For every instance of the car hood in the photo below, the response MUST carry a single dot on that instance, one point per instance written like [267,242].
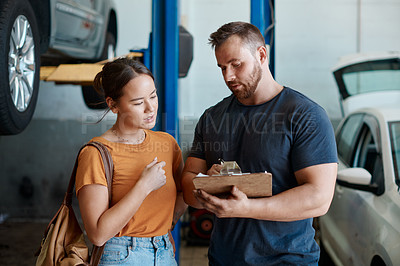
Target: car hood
[368,80]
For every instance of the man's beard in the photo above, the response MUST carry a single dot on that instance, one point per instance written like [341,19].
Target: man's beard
[247,90]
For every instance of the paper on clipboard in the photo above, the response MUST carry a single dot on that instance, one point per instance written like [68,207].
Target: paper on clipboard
[253,185]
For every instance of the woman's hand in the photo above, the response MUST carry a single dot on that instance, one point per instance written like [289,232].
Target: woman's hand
[102,222]
[153,176]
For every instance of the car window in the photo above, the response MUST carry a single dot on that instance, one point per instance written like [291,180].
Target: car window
[376,75]
[369,157]
[346,138]
[369,81]
[395,145]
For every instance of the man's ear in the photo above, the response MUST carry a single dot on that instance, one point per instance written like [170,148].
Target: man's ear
[112,105]
[263,54]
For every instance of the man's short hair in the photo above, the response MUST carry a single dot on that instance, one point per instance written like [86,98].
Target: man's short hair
[248,33]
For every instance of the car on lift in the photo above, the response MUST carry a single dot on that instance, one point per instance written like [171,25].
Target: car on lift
[362,224]
[48,32]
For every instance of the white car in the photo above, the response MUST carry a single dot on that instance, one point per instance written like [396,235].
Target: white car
[362,226]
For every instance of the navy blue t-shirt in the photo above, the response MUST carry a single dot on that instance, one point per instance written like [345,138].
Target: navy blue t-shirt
[286,134]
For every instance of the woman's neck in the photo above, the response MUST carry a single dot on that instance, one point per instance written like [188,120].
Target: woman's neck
[116,134]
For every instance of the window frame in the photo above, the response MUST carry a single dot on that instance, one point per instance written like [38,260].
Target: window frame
[367,124]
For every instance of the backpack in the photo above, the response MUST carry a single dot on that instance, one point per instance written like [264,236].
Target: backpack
[63,242]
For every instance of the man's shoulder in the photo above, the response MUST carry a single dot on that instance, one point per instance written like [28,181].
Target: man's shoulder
[298,100]
[220,106]
[292,93]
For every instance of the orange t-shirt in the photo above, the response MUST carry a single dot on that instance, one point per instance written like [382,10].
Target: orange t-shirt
[154,216]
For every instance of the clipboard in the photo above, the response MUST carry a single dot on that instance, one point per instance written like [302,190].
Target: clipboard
[253,185]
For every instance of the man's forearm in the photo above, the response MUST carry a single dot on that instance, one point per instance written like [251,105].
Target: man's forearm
[188,188]
[295,204]
[193,166]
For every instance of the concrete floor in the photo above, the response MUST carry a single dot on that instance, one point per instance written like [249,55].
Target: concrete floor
[19,241]
[193,255]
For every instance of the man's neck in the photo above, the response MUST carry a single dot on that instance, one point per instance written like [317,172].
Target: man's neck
[264,93]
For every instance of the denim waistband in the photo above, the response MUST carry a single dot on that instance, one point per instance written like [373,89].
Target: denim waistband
[145,242]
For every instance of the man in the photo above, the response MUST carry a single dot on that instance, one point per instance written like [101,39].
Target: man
[264,127]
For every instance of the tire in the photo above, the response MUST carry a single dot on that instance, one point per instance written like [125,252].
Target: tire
[92,98]
[19,65]
[201,223]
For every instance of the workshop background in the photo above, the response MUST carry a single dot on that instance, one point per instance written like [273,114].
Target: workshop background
[310,36]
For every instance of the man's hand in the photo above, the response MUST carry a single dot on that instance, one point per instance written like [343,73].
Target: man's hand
[235,205]
[214,170]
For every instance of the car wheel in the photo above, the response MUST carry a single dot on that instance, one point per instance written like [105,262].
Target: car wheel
[201,223]
[92,98]
[377,261]
[19,65]
[325,259]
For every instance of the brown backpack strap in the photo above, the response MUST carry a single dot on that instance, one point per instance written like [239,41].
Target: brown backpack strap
[96,255]
[108,164]
[108,169]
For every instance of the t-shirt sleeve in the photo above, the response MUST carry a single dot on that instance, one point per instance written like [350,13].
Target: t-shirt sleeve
[90,168]
[314,139]
[177,155]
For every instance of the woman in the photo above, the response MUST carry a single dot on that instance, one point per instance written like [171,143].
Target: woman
[146,190]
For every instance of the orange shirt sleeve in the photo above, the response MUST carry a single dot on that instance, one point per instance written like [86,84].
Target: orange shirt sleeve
[177,155]
[90,169]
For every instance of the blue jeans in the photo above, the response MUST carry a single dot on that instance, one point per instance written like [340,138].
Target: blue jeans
[142,251]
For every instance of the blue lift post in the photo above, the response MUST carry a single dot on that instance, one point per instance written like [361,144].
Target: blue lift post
[164,57]
[262,15]
[164,64]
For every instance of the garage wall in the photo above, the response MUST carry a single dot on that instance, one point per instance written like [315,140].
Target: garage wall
[134,24]
[204,85]
[311,35]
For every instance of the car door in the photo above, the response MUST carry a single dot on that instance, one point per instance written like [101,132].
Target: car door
[334,223]
[353,205]
[76,25]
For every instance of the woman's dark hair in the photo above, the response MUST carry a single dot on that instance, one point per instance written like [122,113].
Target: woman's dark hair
[116,74]
[248,33]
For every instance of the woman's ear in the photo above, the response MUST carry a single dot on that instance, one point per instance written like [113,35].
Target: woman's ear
[112,105]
